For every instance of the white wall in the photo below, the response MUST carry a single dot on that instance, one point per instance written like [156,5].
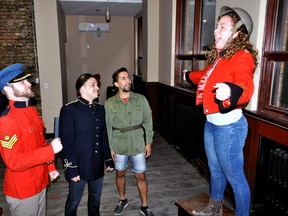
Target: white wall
[167,26]
[87,53]
[49,59]
[150,40]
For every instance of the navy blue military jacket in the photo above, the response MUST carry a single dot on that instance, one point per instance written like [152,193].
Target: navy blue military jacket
[83,133]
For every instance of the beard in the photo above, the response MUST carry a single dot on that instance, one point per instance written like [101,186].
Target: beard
[28,93]
[127,88]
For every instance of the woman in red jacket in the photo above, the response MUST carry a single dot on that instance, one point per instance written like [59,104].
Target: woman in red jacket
[224,87]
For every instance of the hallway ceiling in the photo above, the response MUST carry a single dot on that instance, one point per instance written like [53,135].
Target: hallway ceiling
[91,7]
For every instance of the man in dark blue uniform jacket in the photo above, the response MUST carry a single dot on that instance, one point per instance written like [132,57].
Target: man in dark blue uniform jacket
[83,133]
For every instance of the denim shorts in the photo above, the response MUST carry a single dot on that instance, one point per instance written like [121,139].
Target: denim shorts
[138,162]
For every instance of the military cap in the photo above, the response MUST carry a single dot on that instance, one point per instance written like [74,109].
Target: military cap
[12,74]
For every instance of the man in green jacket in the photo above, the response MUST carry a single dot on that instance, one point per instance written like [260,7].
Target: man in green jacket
[130,134]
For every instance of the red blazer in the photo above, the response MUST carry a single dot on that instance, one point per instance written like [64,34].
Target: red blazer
[25,151]
[237,72]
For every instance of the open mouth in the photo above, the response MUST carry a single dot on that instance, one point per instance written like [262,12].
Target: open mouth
[216,39]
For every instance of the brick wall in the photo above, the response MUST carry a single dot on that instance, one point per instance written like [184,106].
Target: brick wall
[17,38]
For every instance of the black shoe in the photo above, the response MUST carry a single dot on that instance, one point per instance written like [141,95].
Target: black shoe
[122,204]
[146,211]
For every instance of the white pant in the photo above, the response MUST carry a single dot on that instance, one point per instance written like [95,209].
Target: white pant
[32,206]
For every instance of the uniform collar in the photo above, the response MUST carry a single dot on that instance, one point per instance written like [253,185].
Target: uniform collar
[84,101]
[20,104]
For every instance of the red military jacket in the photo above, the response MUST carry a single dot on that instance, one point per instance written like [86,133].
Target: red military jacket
[237,72]
[24,150]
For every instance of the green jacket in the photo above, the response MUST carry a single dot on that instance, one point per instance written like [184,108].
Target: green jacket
[119,115]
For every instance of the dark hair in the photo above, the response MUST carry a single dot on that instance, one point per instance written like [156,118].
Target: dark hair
[98,78]
[81,81]
[116,73]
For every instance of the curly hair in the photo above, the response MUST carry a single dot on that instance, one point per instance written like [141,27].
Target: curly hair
[241,42]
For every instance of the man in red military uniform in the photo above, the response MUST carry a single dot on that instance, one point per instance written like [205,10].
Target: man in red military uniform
[28,157]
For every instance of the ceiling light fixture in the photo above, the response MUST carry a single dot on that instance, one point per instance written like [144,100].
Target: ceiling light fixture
[107,13]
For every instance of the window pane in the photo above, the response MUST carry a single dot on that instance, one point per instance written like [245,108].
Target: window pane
[282,27]
[208,24]
[279,96]
[188,26]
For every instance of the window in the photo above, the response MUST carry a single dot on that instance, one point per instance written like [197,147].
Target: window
[273,98]
[194,35]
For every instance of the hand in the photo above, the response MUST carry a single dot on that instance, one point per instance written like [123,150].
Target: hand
[75,179]
[54,175]
[223,91]
[148,150]
[184,74]
[109,169]
[56,145]
[113,155]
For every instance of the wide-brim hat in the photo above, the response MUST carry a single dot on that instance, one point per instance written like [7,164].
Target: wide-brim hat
[12,74]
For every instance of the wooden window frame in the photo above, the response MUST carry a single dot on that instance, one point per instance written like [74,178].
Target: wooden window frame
[268,58]
[196,56]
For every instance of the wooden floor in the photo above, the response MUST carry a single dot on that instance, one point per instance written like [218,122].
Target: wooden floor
[170,178]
